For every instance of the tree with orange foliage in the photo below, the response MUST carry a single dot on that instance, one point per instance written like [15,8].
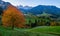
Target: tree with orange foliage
[53,23]
[13,17]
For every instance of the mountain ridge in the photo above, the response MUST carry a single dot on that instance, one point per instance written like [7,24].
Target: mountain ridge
[42,8]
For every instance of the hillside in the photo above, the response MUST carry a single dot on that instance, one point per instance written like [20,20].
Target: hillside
[40,9]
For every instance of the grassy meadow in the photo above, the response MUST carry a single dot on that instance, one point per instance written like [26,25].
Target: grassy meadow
[37,31]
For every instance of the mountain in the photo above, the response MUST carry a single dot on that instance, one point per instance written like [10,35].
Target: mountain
[4,4]
[40,9]
[24,9]
[43,8]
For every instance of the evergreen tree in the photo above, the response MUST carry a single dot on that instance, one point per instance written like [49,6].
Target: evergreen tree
[1,10]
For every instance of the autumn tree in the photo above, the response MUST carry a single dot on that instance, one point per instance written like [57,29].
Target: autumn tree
[53,23]
[13,17]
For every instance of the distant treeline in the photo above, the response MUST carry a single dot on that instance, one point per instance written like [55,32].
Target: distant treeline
[44,21]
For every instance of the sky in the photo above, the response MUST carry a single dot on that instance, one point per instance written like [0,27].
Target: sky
[34,2]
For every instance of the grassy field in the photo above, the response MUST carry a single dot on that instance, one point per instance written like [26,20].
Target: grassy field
[47,29]
[37,31]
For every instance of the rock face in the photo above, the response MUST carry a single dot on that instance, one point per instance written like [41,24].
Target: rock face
[4,4]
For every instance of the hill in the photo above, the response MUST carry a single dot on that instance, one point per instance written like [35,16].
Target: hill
[48,9]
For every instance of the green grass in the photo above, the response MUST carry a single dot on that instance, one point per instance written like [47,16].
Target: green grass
[46,29]
[38,31]
[55,30]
